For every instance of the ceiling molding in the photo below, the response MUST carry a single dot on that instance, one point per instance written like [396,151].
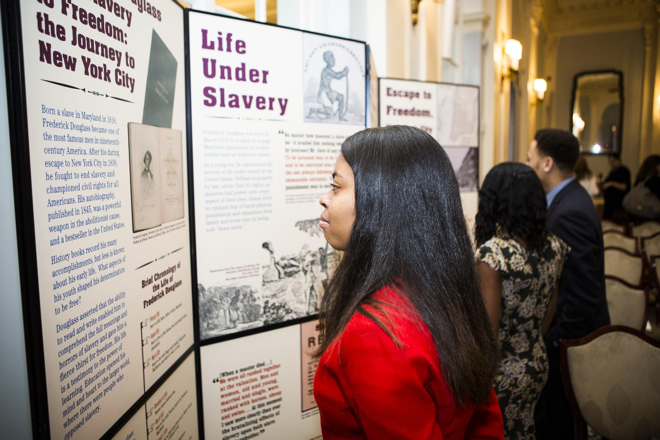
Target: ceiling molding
[567,17]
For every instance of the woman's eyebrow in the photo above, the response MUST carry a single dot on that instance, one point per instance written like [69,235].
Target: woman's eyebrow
[336,174]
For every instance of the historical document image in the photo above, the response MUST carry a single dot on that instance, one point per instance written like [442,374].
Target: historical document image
[290,287]
[334,81]
[458,116]
[156,175]
[465,161]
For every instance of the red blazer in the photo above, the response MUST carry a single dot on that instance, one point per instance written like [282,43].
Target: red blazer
[368,388]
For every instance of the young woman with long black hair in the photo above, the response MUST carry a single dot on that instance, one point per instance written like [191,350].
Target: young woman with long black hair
[520,263]
[408,351]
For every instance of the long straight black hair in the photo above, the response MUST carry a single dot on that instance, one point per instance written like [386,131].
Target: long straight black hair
[410,233]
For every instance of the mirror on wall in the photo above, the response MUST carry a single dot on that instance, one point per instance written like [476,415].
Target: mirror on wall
[597,111]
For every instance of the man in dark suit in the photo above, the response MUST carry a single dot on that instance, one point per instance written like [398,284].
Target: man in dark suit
[581,302]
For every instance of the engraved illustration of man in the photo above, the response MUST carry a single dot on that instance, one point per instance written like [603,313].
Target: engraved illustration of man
[234,314]
[326,96]
[147,179]
[312,271]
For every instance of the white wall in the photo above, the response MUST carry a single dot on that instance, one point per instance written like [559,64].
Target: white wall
[15,402]
[614,50]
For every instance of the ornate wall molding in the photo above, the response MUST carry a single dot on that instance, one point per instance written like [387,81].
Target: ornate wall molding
[566,17]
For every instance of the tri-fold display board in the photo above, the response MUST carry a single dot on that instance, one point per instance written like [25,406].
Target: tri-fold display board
[167,170]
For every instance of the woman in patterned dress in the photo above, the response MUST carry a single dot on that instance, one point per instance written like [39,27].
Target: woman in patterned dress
[519,263]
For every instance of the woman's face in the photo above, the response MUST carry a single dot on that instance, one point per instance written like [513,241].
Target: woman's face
[339,214]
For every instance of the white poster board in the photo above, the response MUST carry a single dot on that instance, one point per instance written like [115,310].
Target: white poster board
[449,112]
[270,109]
[111,225]
[171,412]
[253,389]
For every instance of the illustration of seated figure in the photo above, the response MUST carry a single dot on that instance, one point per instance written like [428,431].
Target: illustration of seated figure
[326,96]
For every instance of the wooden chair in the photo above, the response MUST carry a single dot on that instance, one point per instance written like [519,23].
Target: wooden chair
[625,266]
[612,379]
[645,230]
[613,239]
[651,246]
[654,272]
[609,226]
[627,305]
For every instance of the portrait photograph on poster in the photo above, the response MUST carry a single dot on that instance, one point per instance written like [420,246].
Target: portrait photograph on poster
[156,175]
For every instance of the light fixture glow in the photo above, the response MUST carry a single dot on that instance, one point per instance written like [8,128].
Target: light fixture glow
[513,49]
[596,149]
[540,85]
[578,125]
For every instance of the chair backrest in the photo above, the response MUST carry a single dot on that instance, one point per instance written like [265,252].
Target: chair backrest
[645,229]
[627,306]
[651,245]
[624,265]
[618,240]
[612,378]
[611,226]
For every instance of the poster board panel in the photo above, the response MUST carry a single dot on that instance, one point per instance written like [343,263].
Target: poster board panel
[251,388]
[171,412]
[112,307]
[267,128]
[449,112]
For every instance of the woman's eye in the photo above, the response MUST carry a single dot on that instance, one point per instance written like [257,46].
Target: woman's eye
[333,186]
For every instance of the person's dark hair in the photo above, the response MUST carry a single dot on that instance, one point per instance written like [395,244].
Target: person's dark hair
[512,201]
[581,169]
[560,145]
[616,156]
[410,234]
[649,168]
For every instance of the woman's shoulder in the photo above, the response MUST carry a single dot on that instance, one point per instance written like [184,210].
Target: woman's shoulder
[495,253]
[388,318]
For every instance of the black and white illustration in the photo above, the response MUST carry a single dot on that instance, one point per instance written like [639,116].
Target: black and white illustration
[156,175]
[290,286]
[333,80]
[458,115]
[465,161]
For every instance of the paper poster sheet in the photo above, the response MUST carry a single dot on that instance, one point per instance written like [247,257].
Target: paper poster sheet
[267,129]
[251,389]
[115,299]
[171,413]
[310,339]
